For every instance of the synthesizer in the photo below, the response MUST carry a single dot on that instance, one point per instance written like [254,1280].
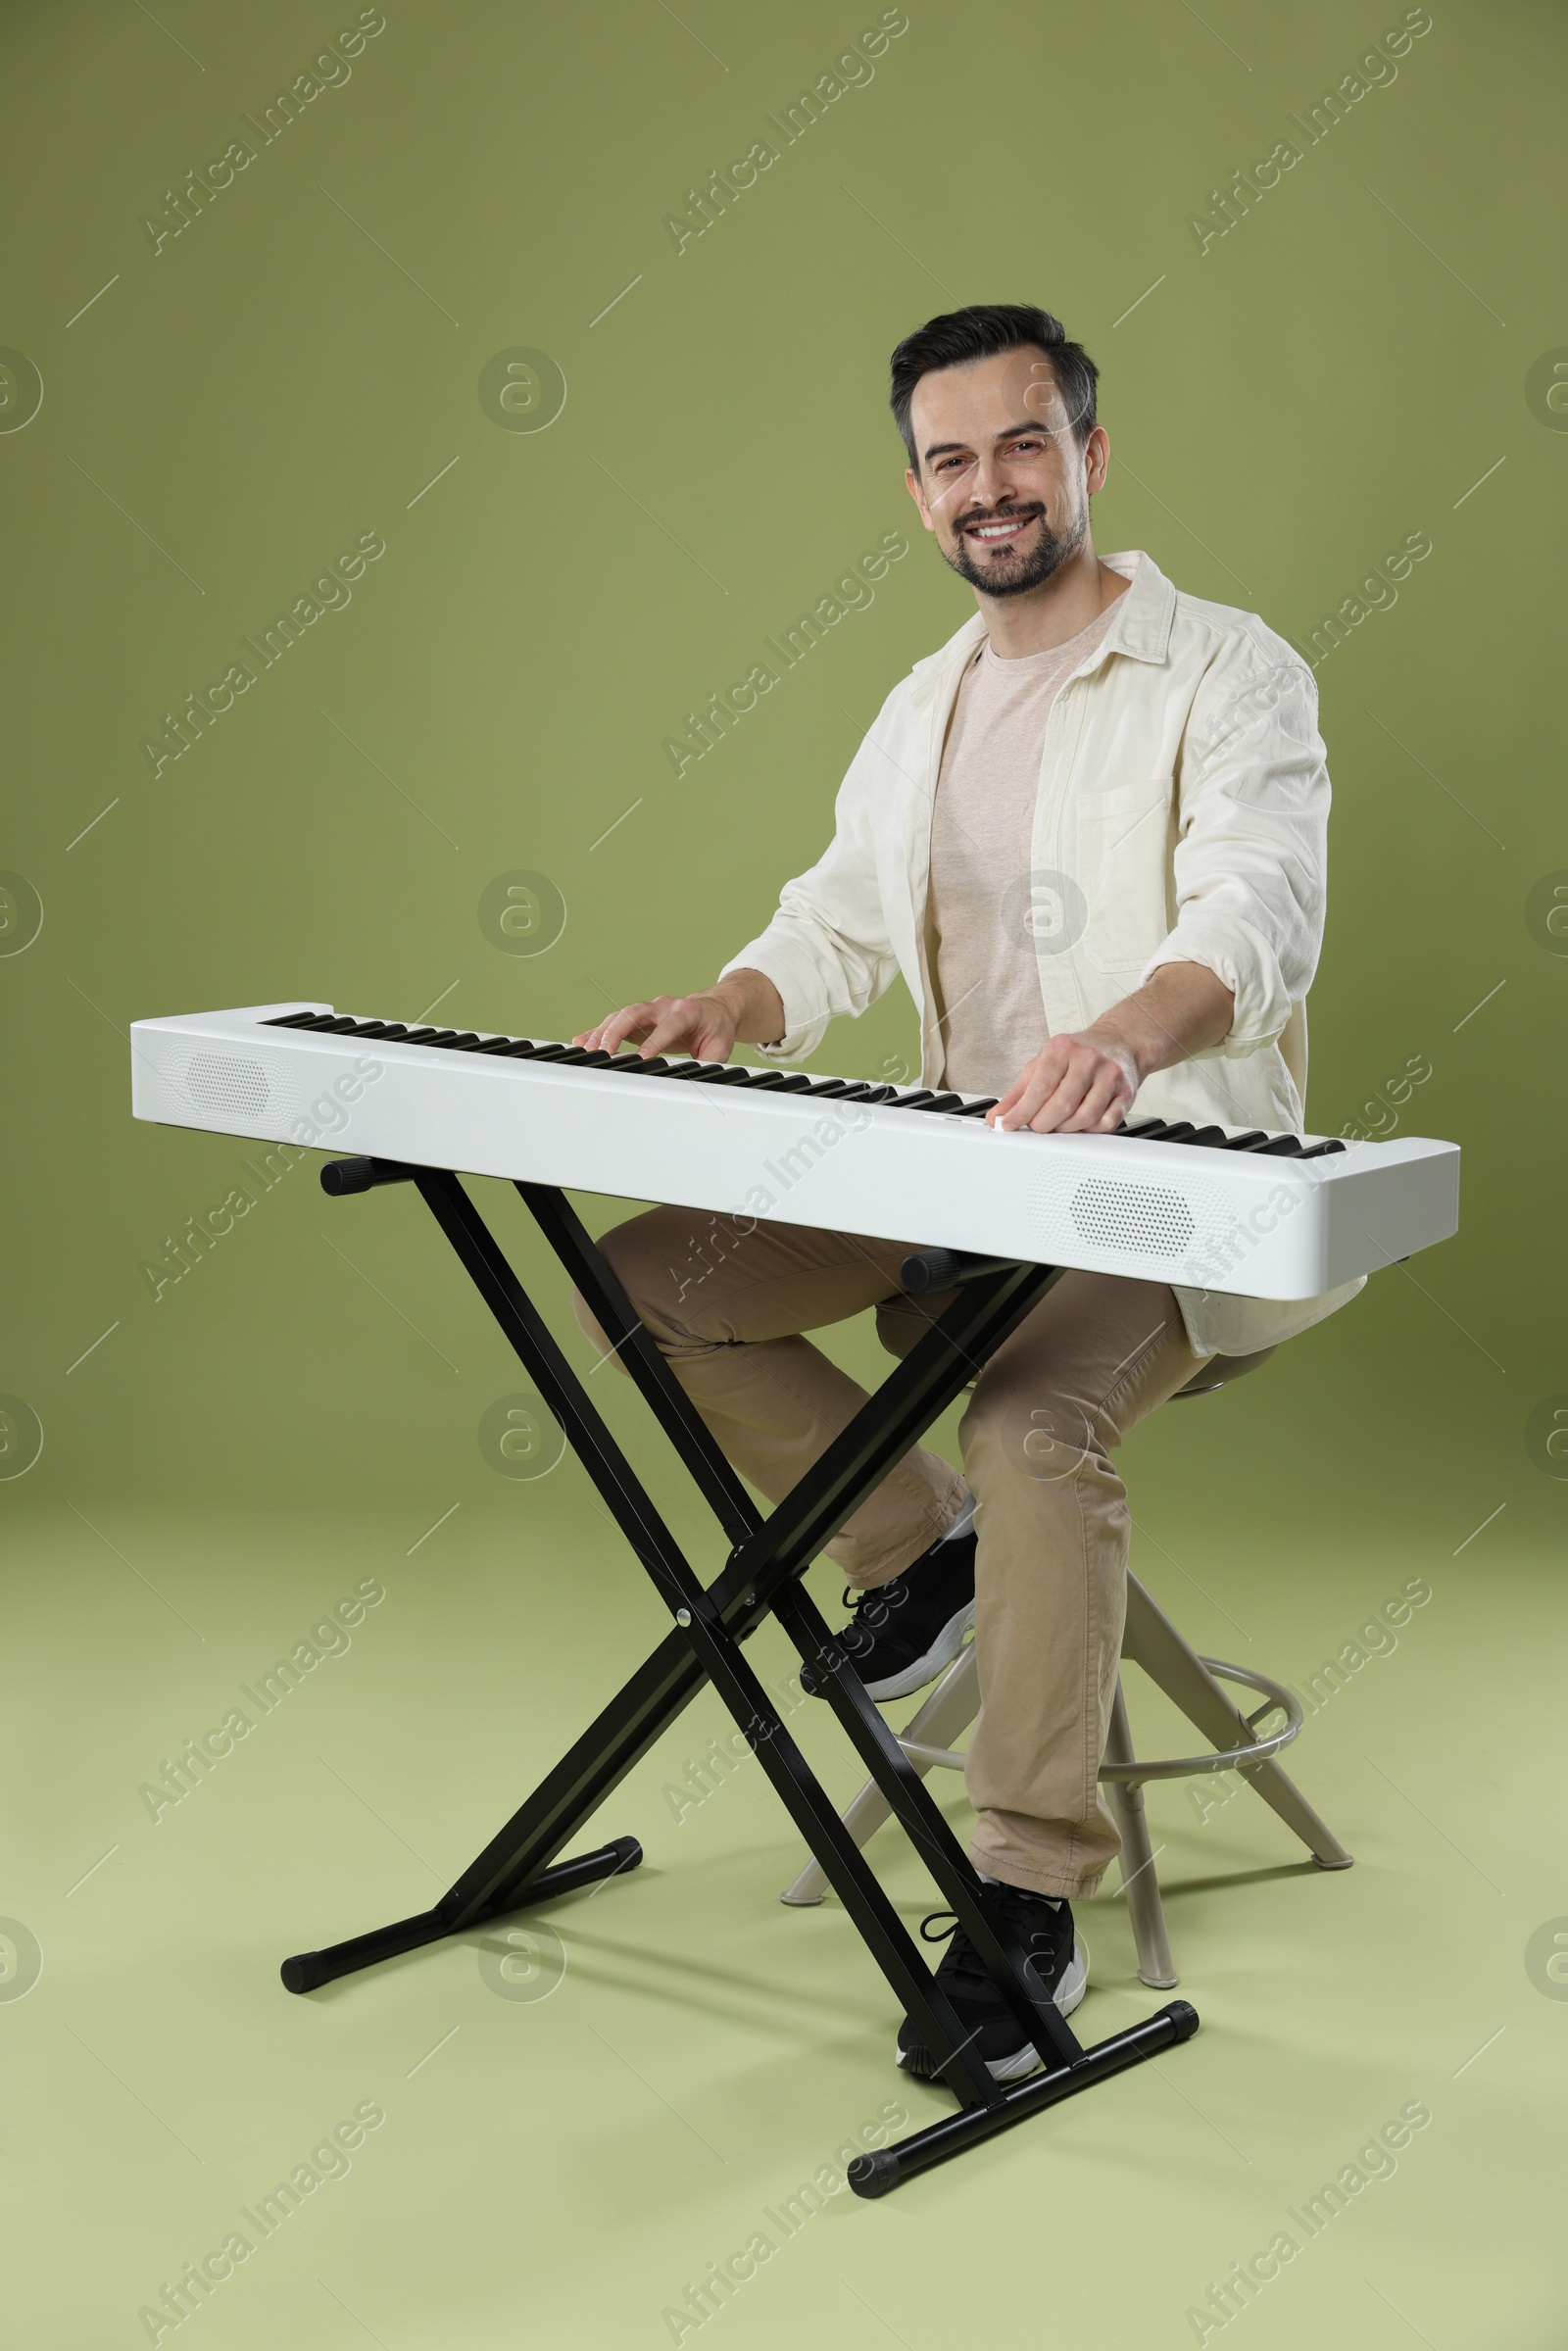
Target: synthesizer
[1252,1213]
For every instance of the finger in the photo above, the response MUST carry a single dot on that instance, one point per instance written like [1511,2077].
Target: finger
[1111,1095]
[1063,1103]
[630,1024]
[1103,1104]
[999,1111]
[1105,1093]
[1006,1114]
[679,1023]
[1035,1086]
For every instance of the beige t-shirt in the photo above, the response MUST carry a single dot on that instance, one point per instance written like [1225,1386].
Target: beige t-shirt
[988,917]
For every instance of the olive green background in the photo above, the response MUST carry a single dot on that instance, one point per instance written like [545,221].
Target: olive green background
[1301,395]
[1366,354]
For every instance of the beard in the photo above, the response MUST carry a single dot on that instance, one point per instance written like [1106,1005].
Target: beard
[1016,574]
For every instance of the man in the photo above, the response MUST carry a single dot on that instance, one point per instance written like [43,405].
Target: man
[1089,833]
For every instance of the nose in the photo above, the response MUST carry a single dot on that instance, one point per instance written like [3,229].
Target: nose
[987,487]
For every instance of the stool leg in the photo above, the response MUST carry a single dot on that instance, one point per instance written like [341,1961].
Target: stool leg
[950,1708]
[1152,1641]
[1138,1880]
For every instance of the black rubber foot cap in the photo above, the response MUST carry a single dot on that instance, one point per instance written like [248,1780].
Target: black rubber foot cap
[1183,2016]
[299,1974]
[873,2175]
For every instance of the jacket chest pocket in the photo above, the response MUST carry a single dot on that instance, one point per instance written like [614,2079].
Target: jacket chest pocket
[1123,845]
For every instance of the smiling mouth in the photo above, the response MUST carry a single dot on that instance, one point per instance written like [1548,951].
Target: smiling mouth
[998,530]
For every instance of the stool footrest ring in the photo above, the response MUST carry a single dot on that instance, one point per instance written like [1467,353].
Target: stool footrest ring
[1222,1760]
[1175,1767]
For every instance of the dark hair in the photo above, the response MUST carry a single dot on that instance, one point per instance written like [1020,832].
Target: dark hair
[982,331]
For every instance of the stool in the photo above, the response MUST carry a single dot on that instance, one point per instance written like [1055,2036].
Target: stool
[1192,1683]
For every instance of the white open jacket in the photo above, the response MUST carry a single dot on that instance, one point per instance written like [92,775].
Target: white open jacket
[1181,816]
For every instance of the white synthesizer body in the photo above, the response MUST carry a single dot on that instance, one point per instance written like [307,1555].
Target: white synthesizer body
[1230,1217]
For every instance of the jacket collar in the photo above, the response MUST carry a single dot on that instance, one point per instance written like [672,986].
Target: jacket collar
[1140,629]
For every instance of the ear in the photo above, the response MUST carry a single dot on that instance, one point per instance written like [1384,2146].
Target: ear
[911,483]
[1097,459]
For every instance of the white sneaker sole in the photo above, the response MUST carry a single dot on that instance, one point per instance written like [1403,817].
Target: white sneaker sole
[1070,1993]
[938,1657]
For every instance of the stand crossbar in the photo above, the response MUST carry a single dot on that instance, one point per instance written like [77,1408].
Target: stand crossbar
[762,1580]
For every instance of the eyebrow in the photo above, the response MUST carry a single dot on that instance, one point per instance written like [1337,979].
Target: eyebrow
[1009,433]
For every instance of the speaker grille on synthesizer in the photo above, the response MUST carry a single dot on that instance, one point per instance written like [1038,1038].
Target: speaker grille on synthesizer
[232,1088]
[1137,1217]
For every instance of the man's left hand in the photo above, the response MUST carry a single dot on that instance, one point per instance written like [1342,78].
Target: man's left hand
[1085,1084]
[1081,1085]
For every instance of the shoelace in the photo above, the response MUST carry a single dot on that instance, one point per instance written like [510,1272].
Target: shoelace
[930,1920]
[868,1609]
[881,1597]
[968,1967]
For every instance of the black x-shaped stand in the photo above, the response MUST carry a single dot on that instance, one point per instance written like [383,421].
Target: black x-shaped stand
[763,1579]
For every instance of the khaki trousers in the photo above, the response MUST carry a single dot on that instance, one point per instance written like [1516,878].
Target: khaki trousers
[726,1301]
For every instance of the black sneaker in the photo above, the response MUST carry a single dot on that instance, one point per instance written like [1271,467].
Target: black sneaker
[1059,1960]
[903,1634]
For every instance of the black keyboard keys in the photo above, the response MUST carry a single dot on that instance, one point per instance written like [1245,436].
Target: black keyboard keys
[778,1081]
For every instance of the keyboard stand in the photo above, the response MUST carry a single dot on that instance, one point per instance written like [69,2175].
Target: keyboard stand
[763,1579]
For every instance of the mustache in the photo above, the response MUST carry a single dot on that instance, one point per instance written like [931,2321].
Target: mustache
[1002,513]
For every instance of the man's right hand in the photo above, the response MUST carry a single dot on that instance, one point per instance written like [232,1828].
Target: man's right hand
[705,1026]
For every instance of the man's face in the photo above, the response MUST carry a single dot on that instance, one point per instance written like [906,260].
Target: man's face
[1002,483]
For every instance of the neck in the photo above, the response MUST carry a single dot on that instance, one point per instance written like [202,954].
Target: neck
[1048,615]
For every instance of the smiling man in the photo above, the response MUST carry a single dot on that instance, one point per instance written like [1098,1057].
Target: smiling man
[1088,832]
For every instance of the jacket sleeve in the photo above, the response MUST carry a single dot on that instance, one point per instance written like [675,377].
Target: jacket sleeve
[827,949]
[1252,837]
